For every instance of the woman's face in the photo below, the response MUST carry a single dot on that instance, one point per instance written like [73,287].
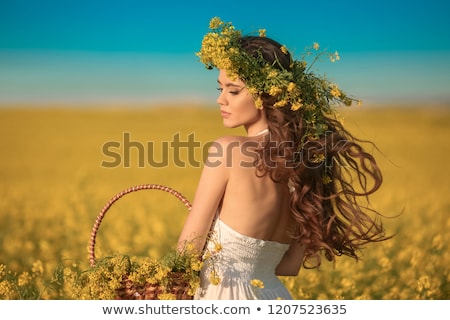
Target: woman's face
[237,106]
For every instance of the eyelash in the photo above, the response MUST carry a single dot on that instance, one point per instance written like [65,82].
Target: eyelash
[230,92]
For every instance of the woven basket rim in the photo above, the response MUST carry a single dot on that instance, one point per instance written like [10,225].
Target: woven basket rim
[119,195]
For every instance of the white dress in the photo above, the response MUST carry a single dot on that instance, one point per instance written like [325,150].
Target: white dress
[240,260]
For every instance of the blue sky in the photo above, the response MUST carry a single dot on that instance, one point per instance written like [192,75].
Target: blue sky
[143,51]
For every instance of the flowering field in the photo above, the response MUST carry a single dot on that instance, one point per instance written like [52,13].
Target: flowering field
[58,168]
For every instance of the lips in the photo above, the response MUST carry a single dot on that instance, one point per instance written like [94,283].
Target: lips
[224,114]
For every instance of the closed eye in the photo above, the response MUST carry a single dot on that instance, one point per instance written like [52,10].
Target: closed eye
[236,90]
[232,91]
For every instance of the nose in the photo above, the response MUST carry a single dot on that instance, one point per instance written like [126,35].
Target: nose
[221,99]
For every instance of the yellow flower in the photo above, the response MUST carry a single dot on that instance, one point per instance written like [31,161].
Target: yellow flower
[284,49]
[6,289]
[318,158]
[291,87]
[217,247]
[207,255]
[162,273]
[316,46]
[280,103]
[214,278]
[215,23]
[167,296]
[257,283]
[262,32]
[252,90]
[274,91]
[37,268]
[190,247]
[196,265]
[259,103]
[423,283]
[335,92]
[272,74]
[326,179]
[296,106]
[194,284]
[24,279]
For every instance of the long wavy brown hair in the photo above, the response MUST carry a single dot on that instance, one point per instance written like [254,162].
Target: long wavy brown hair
[331,177]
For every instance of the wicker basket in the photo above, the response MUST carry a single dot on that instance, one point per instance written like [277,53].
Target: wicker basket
[130,291]
[178,287]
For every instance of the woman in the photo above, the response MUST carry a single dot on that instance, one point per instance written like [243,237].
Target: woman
[275,200]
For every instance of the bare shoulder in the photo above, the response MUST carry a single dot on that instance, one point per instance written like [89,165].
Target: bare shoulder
[221,147]
[218,152]
[233,150]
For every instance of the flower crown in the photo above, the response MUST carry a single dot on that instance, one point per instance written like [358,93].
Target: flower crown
[298,88]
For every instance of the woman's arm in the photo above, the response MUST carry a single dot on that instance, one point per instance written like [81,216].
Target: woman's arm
[292,260]
[209,193]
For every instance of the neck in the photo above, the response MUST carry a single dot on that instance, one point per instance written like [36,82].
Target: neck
[260,132]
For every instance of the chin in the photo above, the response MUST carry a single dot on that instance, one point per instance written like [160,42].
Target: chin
[230,125]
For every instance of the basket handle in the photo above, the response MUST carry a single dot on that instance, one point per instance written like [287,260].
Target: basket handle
[119,195]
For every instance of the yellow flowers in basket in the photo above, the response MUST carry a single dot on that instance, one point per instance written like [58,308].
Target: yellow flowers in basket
[174,277]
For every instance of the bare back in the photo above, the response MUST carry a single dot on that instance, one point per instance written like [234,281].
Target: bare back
[252,205]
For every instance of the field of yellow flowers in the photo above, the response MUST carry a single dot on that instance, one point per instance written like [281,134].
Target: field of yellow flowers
[59,166]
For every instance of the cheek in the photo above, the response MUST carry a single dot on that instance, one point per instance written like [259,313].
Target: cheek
[252,113]
[246,104]
[250,109]
[246,114]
